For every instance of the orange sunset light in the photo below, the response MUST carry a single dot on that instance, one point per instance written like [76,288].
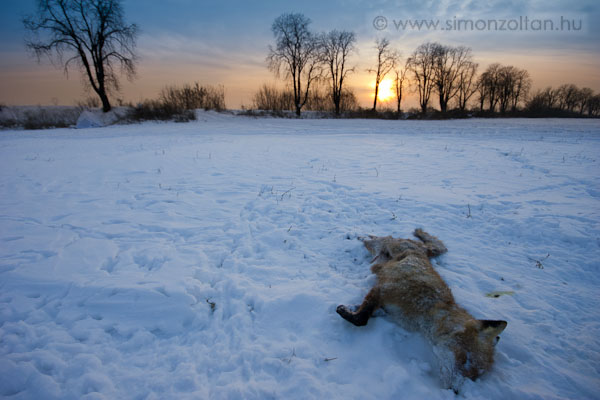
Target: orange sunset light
[386,90]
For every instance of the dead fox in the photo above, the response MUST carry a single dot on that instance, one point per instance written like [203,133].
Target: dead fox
[414,294]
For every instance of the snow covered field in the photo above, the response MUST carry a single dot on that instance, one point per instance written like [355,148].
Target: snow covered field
[206,260]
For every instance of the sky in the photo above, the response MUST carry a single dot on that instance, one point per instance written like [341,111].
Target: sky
[226,42]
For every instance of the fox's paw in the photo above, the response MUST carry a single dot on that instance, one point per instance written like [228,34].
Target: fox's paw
[351,316]
[344,312]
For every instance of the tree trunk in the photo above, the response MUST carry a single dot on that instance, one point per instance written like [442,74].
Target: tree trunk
[375,99]
[443,104]
[337,98]
[106,107]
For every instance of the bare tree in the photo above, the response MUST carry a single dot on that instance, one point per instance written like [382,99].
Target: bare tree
[467,84]
[336,47]
[296,54]
[550,97]
[448,64]
[387,58]
[538,102]
[90,33]
[594,106]
[400,81]
[505,85]
[567,98]
[521,87]
[488,86]
[481,90]
[568,95]
[422,64]
[585,96]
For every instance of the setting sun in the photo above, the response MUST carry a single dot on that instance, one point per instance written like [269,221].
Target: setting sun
[386,90]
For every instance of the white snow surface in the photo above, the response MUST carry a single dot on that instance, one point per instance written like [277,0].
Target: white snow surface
[206,260]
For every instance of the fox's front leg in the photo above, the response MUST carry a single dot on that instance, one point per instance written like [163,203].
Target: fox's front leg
[361,316]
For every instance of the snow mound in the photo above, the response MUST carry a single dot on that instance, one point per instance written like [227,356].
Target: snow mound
[88,119]
[98,119]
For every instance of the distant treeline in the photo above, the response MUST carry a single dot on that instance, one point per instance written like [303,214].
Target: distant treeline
[315,69]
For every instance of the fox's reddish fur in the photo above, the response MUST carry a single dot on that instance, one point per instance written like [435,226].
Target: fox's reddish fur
[415,295]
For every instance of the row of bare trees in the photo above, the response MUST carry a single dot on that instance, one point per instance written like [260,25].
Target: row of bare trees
[433,71]
[502,86]
[566,98]
[305,58]
[449,73]
[446,71]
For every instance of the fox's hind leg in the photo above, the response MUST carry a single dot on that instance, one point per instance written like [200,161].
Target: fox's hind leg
[361,316]
[434,246]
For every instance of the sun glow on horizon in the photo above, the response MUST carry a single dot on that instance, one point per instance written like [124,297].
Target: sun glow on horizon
[386,90]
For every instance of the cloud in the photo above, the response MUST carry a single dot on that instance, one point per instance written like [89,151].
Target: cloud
[170,48]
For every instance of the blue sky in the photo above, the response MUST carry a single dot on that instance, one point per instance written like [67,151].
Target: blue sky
[226,42]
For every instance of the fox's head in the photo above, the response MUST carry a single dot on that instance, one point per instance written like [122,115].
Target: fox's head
[375,244]
[385,248]
[474,346]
